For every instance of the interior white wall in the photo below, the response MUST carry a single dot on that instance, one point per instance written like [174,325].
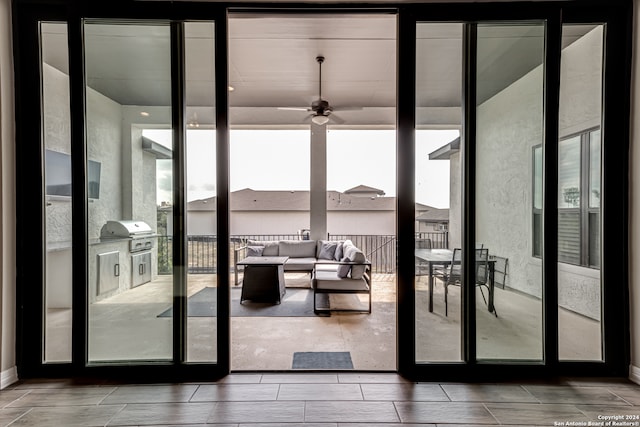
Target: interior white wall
[634,204]
[8,372]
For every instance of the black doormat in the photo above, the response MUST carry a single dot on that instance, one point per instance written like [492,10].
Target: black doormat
[322,360]
[297,302]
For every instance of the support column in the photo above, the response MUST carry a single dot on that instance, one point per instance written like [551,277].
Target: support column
[318,184]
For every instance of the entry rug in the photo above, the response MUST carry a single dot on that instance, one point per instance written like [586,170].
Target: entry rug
[297,302]
[322,360]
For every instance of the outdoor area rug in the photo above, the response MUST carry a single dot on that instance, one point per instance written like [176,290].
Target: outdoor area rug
[297,302]
[322,360]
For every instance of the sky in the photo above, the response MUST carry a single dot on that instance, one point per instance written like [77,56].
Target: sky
[279,160]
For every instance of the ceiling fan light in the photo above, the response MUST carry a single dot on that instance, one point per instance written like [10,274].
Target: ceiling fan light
[320,119]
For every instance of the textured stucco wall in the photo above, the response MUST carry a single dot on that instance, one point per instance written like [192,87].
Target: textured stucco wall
[57,137]
[104,132]
[382,222]
[509,126]
[455,201]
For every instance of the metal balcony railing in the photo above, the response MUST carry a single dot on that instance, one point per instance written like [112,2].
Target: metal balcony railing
[202,249]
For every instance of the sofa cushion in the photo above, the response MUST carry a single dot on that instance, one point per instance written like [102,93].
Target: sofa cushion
[297,248]
[343,269]
[255,250]
[270,246]
[299,264]
[328,280]
[327,249]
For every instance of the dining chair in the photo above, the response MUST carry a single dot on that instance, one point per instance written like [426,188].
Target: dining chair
[421,265]
[482,274]
[451,274]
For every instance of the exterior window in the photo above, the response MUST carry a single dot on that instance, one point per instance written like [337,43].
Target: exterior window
[579,200]
[578,216]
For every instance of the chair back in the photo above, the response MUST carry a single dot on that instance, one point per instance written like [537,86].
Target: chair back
[482,266]
[500,271]
[455,268]
[423,244]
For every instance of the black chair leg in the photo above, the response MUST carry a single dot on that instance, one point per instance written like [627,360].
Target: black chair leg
[483,297]
[446,303]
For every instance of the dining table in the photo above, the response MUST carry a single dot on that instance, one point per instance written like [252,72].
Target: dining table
[444,257]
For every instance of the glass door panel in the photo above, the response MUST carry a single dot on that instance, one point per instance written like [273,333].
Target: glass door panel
[579,195]
[438,173]
[128,77]
[57,171]
[202,241]
[510,127]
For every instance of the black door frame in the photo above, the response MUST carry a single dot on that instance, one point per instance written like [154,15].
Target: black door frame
[617,19]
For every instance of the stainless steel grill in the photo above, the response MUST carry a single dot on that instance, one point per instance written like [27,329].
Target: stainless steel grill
[139,232]
[140,246]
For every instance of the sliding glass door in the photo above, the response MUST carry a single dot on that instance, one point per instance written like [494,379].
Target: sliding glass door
[519,284]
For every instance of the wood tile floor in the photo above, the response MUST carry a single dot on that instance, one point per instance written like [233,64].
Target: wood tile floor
[320,400]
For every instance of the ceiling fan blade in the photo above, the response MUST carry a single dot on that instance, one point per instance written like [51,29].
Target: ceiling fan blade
[294,108]
[336,119]
[346,108]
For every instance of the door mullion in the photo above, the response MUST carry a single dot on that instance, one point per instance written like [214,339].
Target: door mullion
[468,319]
[179,178]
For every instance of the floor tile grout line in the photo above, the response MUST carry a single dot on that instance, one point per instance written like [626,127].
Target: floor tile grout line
[25,413]
[619,397]
[194,393]
[445,392]
[395,408]
[115,415]
[484,405]
[108,394]
[529,392]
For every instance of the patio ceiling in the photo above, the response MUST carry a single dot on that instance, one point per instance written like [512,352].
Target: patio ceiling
[272,64]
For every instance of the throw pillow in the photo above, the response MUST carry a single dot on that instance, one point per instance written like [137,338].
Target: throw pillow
[357,271]
[328,250]
[343,269]
[270,249]
[338,254]
[255,250]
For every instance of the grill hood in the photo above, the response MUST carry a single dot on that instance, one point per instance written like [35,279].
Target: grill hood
[125,228]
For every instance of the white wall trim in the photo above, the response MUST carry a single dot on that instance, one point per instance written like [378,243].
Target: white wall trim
[634,374]
[8,377]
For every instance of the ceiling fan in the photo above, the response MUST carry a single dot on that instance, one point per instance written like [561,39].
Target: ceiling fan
[320,108]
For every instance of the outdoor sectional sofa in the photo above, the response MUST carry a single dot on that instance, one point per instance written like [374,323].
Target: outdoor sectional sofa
[336,267]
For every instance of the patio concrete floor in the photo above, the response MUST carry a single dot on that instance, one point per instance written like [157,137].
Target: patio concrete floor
[127,327]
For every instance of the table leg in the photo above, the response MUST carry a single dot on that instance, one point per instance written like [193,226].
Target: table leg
[490,305]
[430,288]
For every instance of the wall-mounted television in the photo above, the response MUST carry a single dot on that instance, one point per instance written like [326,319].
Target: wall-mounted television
[58,175]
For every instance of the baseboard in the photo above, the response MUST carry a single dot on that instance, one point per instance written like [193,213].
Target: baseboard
[8,377]
[634,374]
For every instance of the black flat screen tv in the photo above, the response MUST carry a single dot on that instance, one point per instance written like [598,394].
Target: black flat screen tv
[58,175]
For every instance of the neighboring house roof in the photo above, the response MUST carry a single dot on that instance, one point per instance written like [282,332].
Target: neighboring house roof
[445,152]
[252,200]
[420,207]
[363,189]
[434,215]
